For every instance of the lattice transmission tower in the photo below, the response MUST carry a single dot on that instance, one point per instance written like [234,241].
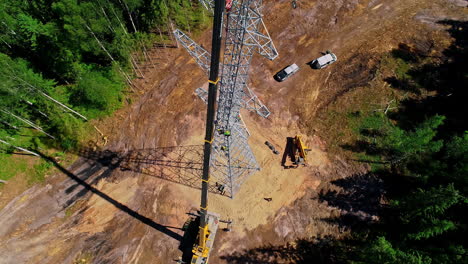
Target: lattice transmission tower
[232,160]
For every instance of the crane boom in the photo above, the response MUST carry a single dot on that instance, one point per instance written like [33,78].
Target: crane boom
[201,250]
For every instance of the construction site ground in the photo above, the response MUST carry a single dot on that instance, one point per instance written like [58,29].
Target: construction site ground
[97,212]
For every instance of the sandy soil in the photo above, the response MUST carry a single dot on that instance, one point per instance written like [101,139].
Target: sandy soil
[102,214]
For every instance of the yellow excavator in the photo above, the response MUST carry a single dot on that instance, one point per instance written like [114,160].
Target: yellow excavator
[296,150]
[300,151]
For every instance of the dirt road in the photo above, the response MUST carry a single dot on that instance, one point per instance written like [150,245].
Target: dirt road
[99,211]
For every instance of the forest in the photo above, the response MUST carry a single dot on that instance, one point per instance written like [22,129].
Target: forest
[421,153]
[65,62]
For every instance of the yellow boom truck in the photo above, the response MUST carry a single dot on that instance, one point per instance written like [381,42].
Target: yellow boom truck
[209,221]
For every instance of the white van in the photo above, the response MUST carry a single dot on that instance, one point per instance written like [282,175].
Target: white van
[323,61]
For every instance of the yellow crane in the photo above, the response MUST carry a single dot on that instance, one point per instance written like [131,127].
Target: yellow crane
[209,221]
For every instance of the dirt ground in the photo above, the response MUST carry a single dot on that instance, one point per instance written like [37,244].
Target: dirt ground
[95,212]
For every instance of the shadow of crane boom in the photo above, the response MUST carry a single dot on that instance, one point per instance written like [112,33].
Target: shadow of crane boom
[179,164]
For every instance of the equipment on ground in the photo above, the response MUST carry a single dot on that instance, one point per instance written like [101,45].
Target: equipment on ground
[270,146]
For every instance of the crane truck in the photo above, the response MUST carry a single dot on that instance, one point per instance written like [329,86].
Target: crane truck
[209,221]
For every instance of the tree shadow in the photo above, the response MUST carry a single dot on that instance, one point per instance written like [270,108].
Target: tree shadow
[407,53]
[443,80]
[359,199]
[325,250]
[361,146]
[88,187]
[91,175]
[403,85]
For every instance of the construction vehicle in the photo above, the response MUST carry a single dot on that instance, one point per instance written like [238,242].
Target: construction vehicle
[322,62]
[296,153]
[209,221]
[286,72]
[300,151]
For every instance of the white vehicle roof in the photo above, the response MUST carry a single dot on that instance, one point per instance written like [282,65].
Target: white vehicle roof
[325,59]
[291,68]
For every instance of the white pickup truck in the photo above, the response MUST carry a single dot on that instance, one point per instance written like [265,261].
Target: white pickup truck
[323,61]
[286,72]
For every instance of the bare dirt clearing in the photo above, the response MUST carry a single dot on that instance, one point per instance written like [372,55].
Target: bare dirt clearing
[107,215]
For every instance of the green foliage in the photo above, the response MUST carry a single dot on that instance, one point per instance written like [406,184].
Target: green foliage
[400,66]
[186,14]
[40,171]
[32,30]
[423,210]
[428,203]
[77,52]
[455,162]
[397,147]
[382,251]
[24,90]
[427,207]
[422,148]
[411,144]
[98,92]
[12,166]
[9,167]
[68,129]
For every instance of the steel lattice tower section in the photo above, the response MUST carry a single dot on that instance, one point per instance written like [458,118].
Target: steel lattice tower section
[232,159]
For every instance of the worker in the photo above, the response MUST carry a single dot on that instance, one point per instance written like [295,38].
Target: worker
[221,189]
[224,148]
[227,133]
